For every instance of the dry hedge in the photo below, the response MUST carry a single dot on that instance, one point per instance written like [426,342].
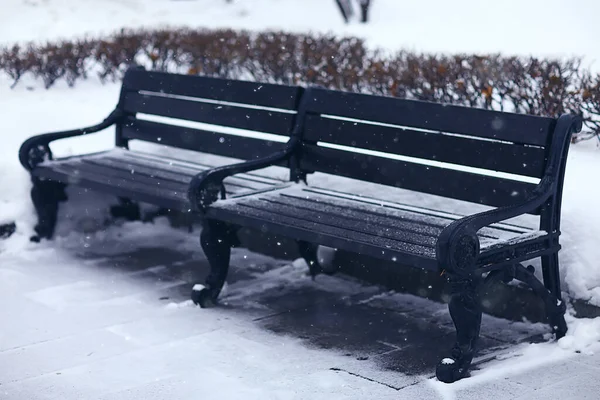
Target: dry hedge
[546,87]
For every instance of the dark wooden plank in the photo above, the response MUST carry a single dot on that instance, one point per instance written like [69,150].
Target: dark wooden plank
[320,231]
[183,167]
[381,222]
[118,187]
[197,161]
[266,121]
[382,217]
[200,140]
[109,174]
[142,172]
[333,238]
[341,220]
[518,128]
[405,211]
[252,93]
[379,217]
[487,154]
[141,168]
[157,177]
[460,185]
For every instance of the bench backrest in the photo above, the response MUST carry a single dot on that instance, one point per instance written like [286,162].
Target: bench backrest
[476,155]
[222,107]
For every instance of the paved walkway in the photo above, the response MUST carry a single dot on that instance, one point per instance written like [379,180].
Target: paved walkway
[97,317]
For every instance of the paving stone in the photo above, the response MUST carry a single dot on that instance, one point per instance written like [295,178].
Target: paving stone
[305,298]
[419,390]
[357,329]
[139,259]
[551,374]
[501,389]
[591,360]
[581,386]
[421,357]
[388,339]
[365,373]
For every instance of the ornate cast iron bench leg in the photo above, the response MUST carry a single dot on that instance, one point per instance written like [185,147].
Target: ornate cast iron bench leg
[216,239]
[46,196]
[555,307]
[465,304]
[465,310]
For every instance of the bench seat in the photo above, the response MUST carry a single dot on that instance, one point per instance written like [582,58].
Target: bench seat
[143,176]
[388,230]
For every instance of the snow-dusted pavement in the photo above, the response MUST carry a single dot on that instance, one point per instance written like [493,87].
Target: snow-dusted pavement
[105,315]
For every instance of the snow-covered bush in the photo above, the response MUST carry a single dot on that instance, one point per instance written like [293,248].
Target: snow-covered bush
[547,87]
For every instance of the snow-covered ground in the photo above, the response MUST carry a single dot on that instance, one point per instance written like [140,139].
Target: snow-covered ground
[541,27]
[50,295]
[78,327]
[104,316]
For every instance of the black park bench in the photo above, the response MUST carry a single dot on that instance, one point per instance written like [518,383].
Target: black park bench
[513,163]
[151,108]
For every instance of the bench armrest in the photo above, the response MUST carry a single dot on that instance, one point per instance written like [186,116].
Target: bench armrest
[36,149]
[206,186]
[457,247]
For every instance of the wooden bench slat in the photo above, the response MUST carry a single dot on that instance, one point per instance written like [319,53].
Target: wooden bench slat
[199,140]
[143,168]
[381,220]
[387,217]
[517,128]
[117,186]
[185,166]
[261,94]
[455,184]
[300,207]
[258,120]
[341,220]
[113,168]
[410,211]
[460,150]
[143,172]
[191,162]
[80,166]
[239,211]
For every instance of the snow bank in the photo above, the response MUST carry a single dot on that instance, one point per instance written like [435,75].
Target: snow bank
[583,335]
[580,255]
